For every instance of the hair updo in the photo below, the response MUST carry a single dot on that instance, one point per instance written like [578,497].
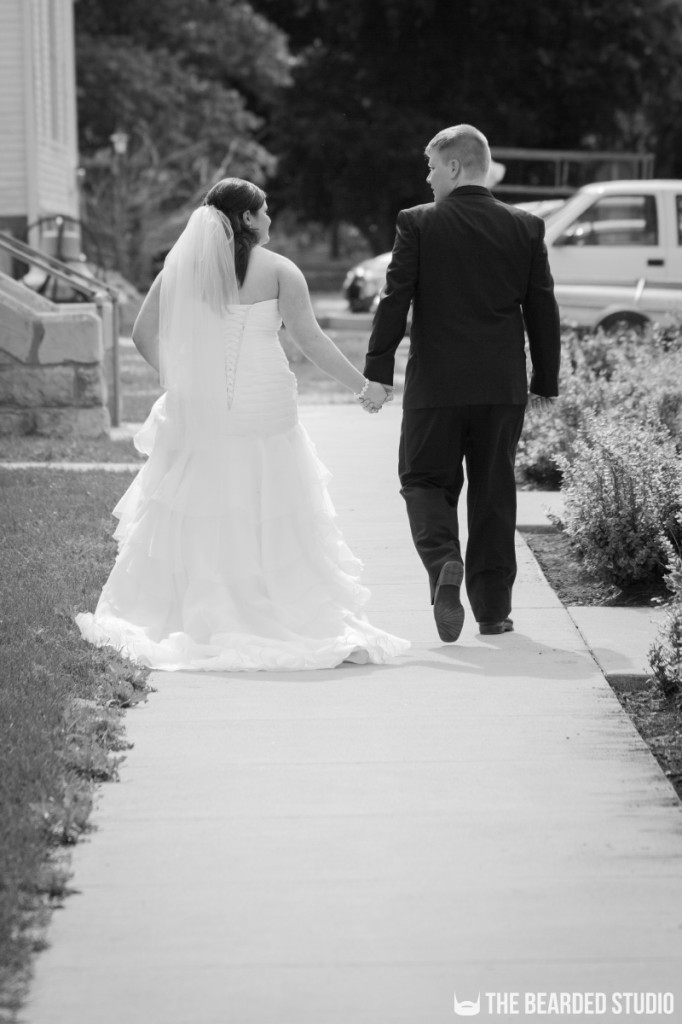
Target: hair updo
[233,197]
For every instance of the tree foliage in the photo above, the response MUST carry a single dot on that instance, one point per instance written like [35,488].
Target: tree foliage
[224,41]
[210,87]
[374,81]
[189,83]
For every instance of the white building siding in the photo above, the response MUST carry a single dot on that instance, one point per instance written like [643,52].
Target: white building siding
[54,85]
[56,181]
[13,177]
[38,168]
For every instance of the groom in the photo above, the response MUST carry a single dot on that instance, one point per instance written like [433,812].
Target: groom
[476,271]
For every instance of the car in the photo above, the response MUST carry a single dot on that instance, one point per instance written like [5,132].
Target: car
[365,281]
[615,249]
[544,208]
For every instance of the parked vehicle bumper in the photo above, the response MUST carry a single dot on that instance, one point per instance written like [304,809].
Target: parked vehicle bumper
[593,305]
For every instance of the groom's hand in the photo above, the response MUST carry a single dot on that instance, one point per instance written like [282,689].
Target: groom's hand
[375,396]
[539,403]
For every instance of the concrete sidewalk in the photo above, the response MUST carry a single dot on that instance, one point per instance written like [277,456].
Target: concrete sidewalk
[355,846]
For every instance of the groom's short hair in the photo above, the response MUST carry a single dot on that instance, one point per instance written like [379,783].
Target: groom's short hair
[464,143]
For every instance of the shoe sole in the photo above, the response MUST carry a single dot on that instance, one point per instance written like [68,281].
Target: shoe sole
[449,619]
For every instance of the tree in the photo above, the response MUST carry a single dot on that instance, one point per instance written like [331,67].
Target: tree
[374,81]
[159,76]
[658,120]
[223,41]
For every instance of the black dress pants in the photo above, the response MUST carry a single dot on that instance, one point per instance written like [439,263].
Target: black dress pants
[434,444]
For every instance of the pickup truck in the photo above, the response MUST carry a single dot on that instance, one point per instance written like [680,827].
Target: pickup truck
[615,249]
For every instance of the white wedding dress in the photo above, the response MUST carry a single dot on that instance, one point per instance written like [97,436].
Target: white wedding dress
[229,558]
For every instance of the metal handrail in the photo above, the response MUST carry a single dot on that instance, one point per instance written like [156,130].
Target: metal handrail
[60,269]
[104,296]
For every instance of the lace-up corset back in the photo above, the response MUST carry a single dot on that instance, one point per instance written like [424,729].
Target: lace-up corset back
[260,389]
[231,379]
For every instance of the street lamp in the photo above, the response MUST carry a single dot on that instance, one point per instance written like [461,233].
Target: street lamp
[119,140]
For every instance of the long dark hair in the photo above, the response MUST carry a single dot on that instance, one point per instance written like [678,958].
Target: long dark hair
[234,196]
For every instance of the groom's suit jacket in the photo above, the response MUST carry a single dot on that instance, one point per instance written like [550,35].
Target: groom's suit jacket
[476,269]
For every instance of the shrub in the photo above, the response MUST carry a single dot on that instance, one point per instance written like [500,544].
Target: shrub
[639,377]
[667,336]
[622,495]
[547,437]
[665,653]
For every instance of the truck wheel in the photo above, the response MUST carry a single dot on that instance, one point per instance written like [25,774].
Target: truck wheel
[623,322]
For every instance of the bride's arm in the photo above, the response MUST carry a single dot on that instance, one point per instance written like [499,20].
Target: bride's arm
[299,320]
[146,326]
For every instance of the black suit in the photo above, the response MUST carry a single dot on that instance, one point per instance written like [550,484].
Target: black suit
[475,270]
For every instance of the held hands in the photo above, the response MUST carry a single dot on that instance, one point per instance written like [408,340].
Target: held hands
[374,395]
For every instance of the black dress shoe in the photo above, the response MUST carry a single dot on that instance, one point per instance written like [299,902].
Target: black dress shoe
[489,628]
[447,607]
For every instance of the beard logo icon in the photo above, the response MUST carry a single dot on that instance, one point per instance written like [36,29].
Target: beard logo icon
[468,1008]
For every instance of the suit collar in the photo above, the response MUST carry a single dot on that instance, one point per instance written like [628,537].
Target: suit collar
[470,190]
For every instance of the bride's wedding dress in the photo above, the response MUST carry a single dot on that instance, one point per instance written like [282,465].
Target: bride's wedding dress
[229,558]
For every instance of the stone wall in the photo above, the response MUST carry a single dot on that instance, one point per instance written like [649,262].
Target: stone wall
[51,366]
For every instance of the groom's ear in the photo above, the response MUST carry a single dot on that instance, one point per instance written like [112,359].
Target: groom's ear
[454,167]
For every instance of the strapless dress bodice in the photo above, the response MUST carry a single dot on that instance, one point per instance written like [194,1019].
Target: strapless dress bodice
[264,313]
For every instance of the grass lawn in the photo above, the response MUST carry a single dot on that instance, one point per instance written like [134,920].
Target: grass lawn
[60,699]
[48,449]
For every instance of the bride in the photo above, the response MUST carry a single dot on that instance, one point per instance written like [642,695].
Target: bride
[229,558]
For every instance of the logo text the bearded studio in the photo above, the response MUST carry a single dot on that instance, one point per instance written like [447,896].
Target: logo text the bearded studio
[551,1004]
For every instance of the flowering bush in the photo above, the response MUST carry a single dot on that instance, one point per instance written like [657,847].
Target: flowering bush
[622,498]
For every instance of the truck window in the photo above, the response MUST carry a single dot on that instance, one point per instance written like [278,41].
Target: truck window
[616,220]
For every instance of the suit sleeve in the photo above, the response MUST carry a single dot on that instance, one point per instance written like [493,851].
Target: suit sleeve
[390,320]
[541,316]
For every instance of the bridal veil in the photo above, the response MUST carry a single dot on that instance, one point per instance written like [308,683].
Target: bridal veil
[198,286]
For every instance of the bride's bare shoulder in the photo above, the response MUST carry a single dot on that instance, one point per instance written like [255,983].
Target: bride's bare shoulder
[273,259]
[270,266]
[288,273]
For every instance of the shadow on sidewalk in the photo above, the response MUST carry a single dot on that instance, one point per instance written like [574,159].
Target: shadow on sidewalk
[516,656]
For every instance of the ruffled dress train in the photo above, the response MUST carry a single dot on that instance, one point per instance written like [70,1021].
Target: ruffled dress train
[229,556]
